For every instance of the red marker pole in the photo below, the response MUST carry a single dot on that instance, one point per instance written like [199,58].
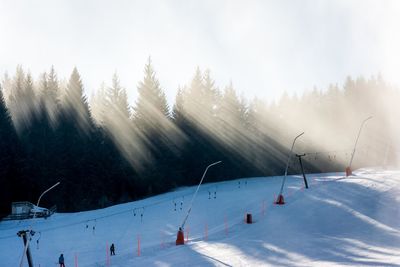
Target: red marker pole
[138,245]
[226,226]
[206,232]
[76,260]
[107,255]
[162,239]
[262,208]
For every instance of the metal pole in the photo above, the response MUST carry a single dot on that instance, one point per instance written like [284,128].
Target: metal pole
[195,193]
[358,136]
[26,240]
[302,169]
[287,163]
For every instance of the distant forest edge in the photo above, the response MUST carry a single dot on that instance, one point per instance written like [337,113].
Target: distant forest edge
[105,151]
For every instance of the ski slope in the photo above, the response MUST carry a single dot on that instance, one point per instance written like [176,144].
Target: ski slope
[336,222]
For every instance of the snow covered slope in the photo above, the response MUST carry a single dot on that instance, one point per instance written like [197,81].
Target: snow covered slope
[337,221]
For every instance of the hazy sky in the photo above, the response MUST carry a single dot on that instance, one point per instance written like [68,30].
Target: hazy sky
[264,47]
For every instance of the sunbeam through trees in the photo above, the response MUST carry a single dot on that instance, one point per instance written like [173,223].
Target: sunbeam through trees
[106,150]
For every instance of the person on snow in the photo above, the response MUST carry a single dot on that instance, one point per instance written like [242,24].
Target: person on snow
[112,249]
[61,260]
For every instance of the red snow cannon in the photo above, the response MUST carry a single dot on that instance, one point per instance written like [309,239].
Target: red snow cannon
[348,172]
[180,238]
[280,200]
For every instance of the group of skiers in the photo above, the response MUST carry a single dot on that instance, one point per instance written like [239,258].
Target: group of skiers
[61,258]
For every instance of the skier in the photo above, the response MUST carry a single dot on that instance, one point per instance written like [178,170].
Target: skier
[61,260]
[112,249]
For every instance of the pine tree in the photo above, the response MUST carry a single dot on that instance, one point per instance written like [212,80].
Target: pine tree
[74,148]
[202,102]
[178,107]
[194,99]
[76,104]
[9,170]
[21,103]
[7,88]
[231,109]
[16,96]
[118,99]
[49,96]
[111,111]
[30,98]
[26,102]
[197,85]
[151,107]
[98,105]
[212,95]
[152,116]
[159,135]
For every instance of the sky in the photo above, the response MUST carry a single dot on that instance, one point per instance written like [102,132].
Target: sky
[263,47]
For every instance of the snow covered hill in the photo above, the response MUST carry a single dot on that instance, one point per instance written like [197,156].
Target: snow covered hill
[337,221]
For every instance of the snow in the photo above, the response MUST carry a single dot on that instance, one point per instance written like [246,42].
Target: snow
[336,222]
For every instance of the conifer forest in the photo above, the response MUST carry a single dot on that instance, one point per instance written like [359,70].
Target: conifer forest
[105,150]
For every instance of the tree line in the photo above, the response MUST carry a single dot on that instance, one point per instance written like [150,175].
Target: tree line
[106,151]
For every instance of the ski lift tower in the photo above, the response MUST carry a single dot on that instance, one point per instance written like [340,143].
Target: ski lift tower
[26,234]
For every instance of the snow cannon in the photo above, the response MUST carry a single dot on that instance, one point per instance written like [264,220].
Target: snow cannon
[180,238]
[348,172]
[280,200]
